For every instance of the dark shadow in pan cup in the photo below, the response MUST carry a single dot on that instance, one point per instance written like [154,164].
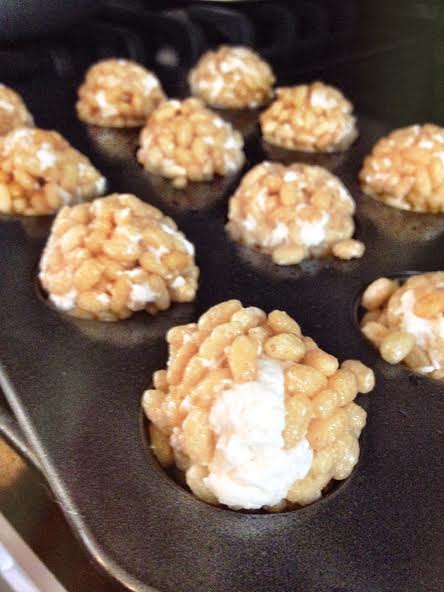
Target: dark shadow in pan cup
[195,196]
[243,120]
[139,328]
[35,227]
[278,154]
[114,143]
[402,225]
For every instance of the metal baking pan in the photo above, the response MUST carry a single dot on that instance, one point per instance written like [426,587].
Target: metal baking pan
[75,388]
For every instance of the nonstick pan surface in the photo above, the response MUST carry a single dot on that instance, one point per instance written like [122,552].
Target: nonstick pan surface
[75,387]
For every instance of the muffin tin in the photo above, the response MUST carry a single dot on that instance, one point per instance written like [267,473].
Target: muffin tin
[75,388]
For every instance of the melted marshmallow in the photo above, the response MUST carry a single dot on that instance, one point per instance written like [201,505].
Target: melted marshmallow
[106,107]
[64,302]
[428,332]
[277,236]
[319,98]
[6,105]
[140,296]
[250,467]
[46,156]
[313,233]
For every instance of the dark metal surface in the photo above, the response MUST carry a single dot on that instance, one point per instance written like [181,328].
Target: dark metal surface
[75,388]
[21,20]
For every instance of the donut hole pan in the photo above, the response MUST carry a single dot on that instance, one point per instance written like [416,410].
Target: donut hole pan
[75,387]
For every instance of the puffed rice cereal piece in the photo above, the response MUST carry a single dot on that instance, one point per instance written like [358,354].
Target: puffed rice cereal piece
[406,322]
[310,118]
[293,212]
[118,93]
[254,413]
[232,78]
[107,259]
[406,169]
[13,111]
[40,172]
[184,141]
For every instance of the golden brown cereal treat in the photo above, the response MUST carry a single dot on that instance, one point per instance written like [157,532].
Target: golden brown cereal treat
[40,172]
[406,323]
[232,78]
[118,93]
[13,111]
[106,259]
[254,413]
[184,141]
[406,169]
[293,212]
[310,118]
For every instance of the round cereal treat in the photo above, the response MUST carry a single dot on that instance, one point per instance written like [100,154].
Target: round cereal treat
[106,259]
[184,141]
[293,212]
[40,172]
[13,111]
[406,169]
[232,78]
[310,118]
[254,413]
[406,322]
[118,93]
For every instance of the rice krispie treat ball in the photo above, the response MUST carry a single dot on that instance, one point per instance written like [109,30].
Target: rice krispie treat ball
[293,212]
[40,172]
[118,93]
[406,169]
[232,78]
[13,111]
[184,141]
[254,413]
[310,118]
[406,322]
[107,259]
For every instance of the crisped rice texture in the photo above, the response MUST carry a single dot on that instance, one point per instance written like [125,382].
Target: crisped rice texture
[184,141]
[293,212]
[106,259]
[13,111]
[118,93]
[406,169]
[40,172]
[221,350]
[310,118]
[406,322]
[232,78]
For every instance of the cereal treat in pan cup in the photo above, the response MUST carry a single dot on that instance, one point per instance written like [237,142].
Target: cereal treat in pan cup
[232,78]
[406,169]
[310,118]
[293,212]
[13,111]
[40,172]
[254,413]
[184,141]
[118,93]
[107,259]
[406,322]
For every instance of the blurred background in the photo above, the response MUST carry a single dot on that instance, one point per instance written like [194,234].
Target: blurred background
[391,51]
